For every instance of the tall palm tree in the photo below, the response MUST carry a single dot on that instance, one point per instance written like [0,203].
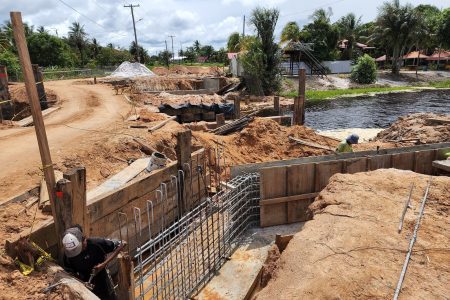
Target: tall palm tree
[197,46]
[290,32]
[78,38]
[348,27]
[322,14]
[95,46]
[41,29]
[396,26]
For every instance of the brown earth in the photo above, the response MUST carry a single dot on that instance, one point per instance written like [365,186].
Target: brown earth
[170,99]
[18,93]
[189,70]
[351,248]
[416,126]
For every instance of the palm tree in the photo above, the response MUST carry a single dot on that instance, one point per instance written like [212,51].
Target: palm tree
[233,42]
[290,32]
[396,26]
[41,29]
[348,27]
[95,48]
[77,37]
[197,47]
[322,15]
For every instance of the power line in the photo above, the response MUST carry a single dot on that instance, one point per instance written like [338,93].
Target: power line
[131,6]
[311,9]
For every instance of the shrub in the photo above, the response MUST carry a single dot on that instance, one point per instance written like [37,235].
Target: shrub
[365,71]
[11,61]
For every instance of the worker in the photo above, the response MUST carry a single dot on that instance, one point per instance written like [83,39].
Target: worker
[87,257]
[346,145]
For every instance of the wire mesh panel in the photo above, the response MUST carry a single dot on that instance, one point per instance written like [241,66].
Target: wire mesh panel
[182,258]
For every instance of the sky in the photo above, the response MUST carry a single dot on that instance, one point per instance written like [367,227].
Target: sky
[210,22]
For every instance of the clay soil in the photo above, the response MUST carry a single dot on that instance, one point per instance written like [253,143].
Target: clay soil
[189,70]
[416,126]
[351,248]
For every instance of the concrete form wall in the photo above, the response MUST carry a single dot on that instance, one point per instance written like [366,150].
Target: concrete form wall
[287,190]
[336,67]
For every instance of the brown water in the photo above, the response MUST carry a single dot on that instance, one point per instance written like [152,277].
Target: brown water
[379,111]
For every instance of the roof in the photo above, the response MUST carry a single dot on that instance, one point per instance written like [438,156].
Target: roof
[443,55]
[232,55]
[381,58]
[414,55]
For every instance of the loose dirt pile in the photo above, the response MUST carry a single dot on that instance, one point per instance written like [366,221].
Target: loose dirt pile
[189,71]
[174,100]
[351,249]
[418,128]
[19,94]
[165,84]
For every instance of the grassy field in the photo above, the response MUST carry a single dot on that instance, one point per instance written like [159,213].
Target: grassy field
[441,84]
[330,94]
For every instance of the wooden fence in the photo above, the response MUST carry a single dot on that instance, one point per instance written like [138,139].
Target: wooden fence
[287,190]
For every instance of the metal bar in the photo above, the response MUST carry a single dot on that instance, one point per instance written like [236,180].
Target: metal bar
[412,241]
[405,207]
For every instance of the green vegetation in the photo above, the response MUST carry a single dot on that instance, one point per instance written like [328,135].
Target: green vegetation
[262,58]
[441,84]
[330,94]
[365,71]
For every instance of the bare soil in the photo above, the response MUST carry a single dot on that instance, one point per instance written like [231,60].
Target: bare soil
[189,70]
[351,248]
[416,126]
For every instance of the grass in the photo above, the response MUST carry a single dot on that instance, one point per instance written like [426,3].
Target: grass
[330,94]
[440,84]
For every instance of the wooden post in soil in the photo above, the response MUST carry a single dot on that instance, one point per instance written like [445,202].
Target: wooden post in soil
[4,92]
[71,202]
[39,78]
[220,119]
[125,289]
[276,105]
[237,107]
[30,84]
[299,102]
[183,151]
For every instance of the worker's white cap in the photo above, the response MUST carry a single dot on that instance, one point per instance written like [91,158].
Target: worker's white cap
[72,242]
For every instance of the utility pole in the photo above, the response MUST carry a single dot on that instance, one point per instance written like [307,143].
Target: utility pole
[243,27]
[134,27]
[167,50]
[173,53]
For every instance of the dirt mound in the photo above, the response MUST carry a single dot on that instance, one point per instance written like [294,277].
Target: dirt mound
[265,140]
[189,70]
[351,249]
[19,94]
[166,98]
[418,127]
[164,84]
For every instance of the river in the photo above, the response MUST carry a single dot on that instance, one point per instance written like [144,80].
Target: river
[379,111]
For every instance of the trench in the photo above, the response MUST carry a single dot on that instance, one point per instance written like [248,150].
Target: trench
[378,111]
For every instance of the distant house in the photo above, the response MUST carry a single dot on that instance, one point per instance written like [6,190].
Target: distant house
[441,56]
[202,59]
[343,44]
[415,58]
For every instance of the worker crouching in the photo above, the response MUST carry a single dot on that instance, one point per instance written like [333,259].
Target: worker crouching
[346,145]
[87,259]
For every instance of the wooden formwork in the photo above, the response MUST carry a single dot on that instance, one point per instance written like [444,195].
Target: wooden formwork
[287,190]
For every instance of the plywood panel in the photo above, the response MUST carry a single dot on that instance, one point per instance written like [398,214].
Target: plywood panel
[423,161]
[324,171]
[300,180]
[356,165]
[403,161]
[273,185]
[380,162]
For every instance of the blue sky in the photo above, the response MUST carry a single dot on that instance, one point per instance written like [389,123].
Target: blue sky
[210,22]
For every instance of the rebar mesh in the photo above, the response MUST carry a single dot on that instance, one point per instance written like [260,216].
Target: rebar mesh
[181,259]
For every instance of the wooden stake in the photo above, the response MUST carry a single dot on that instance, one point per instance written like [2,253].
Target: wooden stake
[125,289]
[276,105]
[220,120]
[299,102]
[30,84]
[77,177]
[183,150]
[237,107]
[39,78]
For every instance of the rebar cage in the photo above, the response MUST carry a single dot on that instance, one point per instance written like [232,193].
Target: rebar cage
[185,255]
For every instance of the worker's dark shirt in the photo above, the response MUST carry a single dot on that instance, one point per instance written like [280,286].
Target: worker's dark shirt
[94,254]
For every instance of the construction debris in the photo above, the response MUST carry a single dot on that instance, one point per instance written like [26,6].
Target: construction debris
[162,124]
[235,125]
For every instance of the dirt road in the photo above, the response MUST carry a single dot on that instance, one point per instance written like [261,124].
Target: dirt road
[84,109]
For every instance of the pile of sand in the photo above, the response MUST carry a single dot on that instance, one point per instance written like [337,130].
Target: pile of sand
[417,126]
[351,249]
[131,70]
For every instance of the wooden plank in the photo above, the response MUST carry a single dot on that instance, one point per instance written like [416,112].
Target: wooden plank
[30,84]
[310,144]
[424,161]
[403,161]
[324,171]
[161,124]
[77,177]
[352,166]
[28,121]
[300,180]
[380,162]
[273,184]
[120,179]
[286,199]
[125,289]
[133,117]
[443,165]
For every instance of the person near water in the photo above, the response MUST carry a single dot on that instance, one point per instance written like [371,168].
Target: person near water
[346,145]
[84,257]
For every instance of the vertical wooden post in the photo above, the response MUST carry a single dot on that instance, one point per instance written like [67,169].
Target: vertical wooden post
[63,209]
[220,119]
[126,287]
[276,105]
[301,97]
[77,177]
[183,151]
[30,84]
[237,107]
[4,92]
[39,78]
